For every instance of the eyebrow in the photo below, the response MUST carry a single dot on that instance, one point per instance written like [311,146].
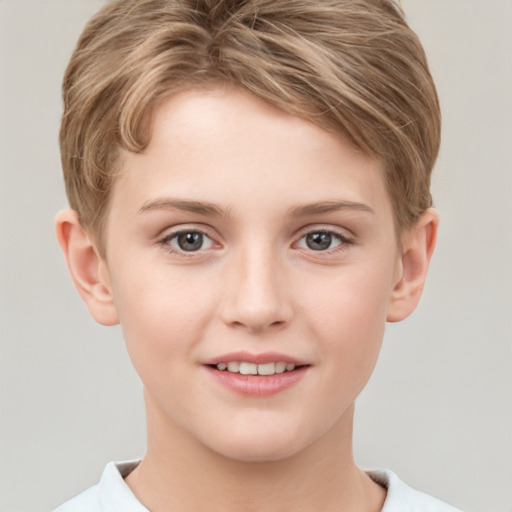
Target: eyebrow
[328,207]
[165,203]
[205,208]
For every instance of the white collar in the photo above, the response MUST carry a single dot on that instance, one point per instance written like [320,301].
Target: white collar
[114,494]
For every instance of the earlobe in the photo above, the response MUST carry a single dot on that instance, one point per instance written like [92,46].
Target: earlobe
[88,270]
[418,247]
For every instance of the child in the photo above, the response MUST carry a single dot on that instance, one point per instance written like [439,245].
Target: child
[249,184]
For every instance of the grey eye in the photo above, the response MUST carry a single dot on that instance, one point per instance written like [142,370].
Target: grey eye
[320,240]
[190,241]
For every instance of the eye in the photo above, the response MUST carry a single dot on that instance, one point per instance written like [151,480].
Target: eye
[189,241]
[321,240]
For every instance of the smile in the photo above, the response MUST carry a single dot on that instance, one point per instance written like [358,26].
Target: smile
[256,375]
[245,368]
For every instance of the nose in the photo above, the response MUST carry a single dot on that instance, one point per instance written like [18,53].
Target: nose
[256,296]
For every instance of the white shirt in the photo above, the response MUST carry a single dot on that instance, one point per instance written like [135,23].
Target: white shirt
[112,494]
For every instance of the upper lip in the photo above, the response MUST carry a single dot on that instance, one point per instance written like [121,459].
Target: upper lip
[248,357]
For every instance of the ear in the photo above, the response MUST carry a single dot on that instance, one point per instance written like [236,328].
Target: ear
[88,270]
[417,249]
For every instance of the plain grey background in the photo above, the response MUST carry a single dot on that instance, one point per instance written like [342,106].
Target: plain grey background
[438,409]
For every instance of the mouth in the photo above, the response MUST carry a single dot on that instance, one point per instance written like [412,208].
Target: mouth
[257,374]
[246,368]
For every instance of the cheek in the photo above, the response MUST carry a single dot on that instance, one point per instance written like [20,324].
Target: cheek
[348,319]
[162,313]
[350,300]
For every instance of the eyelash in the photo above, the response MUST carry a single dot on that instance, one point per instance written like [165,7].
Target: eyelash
[344,241]
[166,242]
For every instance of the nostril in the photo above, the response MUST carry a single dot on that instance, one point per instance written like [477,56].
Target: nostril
[255,298]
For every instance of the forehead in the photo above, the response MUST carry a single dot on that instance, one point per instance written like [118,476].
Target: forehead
[227,146]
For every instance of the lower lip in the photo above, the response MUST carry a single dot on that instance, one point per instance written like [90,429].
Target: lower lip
[257,385]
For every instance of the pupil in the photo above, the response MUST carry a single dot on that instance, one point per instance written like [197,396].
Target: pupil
[318,241]
[190,241]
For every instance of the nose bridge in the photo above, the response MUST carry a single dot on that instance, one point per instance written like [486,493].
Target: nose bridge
[255,294]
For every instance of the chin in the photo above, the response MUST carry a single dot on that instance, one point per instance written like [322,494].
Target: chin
[257,453]
[257,447]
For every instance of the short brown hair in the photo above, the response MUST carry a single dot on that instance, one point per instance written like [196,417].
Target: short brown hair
[350,66]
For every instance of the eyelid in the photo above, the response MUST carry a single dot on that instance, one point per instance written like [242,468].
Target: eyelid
[345,239]
[171,233]
[205,240]
[343,233]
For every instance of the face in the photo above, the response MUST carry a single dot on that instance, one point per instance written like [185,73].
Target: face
[244,240]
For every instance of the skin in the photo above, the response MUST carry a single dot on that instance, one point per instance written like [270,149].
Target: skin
[255,181]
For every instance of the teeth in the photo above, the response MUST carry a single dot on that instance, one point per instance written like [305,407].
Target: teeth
[248,369]
[267,369]
[233,366]
[280,367]
[256,369]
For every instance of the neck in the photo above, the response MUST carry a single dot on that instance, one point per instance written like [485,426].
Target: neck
[179,473]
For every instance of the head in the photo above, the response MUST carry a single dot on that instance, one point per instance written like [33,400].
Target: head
[250,182]
[353,67]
